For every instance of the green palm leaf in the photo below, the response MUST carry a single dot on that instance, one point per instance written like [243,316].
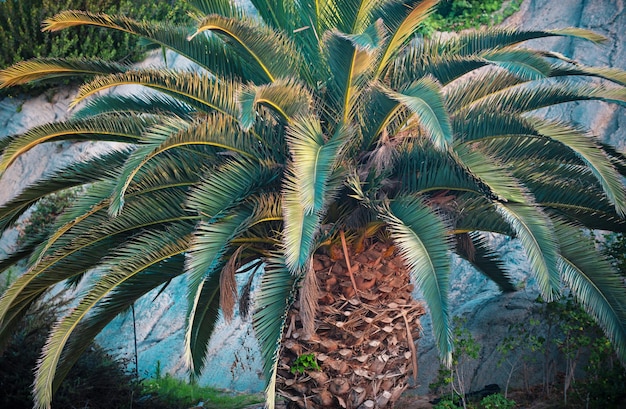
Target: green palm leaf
[423,97]
[491,173]
[202,92]
[287,98]
[276,293]
[475,41]
[202,317]
[153,104]
[117,302]
[129,260]
[111,128]
[45,68]
[350,59]
[589,152]
[273,54]
[423,241]
[594,284]
[65,178]
[486,260]
[537,238]
[209,53]
[401,19]
[525,64]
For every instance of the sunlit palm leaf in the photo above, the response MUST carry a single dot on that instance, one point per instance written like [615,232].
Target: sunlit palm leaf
[402,19]
[207,52]
[273,54]
[525,64]
[149,103]
[350,58]
[594,158]
[493,174]
[112,128]
[44,68]
[203,92]
[288,99]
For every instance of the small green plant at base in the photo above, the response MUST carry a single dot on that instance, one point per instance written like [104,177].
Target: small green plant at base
[455,381]
[445,404]
[496,401]
[303,363]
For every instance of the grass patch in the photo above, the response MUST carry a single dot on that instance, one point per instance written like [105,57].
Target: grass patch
[180,394]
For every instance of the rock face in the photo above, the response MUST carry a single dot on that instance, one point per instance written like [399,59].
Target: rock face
[233,361]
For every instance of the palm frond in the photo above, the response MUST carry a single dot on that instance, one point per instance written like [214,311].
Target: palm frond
[208,52]
[216,131]
[491,173]
[109,128]
[276,293]
[401,19]
[201,91]
[46,68]
[203,313]
[593,157]
[423,242]
[542,93]
[424,98]
[615,75]
[117,302]
[309,184]
[423,170]
[148,103]
[474,41]
[350,59]
[313,160]
[485,260]
[227,186]
[534,232]
[141,253]
[287,98]
[212,240]
[421,57]
[271,52]
[523,63]
[594,284]
[70,176]
[222,7]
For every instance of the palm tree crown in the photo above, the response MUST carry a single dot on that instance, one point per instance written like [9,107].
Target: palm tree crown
[302,125]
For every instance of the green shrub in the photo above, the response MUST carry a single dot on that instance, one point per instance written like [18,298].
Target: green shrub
[96,381]
[21,37]
[453,15]
[496,401]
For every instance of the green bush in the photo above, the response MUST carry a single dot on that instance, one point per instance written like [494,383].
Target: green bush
[96,381]
[496,401]
[21,37]
[454,15]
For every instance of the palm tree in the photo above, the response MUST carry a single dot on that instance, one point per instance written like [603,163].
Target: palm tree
[349,157]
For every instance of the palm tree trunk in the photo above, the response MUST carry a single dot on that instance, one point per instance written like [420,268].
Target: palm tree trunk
[364,336]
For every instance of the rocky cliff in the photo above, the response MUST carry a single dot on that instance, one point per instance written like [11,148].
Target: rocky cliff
[234,359]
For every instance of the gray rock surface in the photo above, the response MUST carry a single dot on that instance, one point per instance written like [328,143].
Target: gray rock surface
[233,361]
